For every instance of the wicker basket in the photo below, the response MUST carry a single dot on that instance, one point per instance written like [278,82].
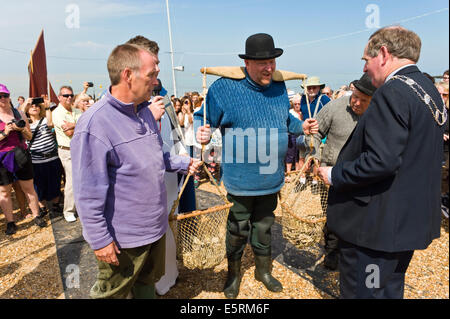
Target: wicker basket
[200,235]
[304,203]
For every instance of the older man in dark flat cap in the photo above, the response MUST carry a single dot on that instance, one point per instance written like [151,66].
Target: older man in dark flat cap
[336,122]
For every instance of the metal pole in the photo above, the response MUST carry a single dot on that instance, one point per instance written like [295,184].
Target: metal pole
[171,50]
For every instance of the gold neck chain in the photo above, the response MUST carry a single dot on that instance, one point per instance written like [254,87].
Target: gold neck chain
[439,116]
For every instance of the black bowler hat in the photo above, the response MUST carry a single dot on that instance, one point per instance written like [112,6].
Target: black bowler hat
[260,46]
[364,84]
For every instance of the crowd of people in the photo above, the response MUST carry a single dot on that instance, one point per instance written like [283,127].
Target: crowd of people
[38,132]
[160,142]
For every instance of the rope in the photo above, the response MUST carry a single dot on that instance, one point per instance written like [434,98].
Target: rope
[222,195]
[302,170]
[311,144]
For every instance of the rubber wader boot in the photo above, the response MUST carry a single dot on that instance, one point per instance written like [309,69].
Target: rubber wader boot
[231,289]
[141,291]
[262,273]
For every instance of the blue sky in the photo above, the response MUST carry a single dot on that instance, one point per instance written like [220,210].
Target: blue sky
[321,38]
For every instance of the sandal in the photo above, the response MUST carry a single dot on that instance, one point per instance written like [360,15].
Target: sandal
[42,211]
[40,222]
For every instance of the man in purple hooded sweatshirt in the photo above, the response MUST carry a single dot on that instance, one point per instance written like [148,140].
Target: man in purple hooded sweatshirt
[119,190]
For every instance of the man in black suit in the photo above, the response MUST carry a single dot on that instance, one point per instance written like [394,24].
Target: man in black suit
[384,200]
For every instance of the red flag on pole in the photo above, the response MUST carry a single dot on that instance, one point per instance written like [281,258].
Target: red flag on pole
[37,70]
[53,96]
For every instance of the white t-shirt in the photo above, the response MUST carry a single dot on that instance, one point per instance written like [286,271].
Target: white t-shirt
[188,131]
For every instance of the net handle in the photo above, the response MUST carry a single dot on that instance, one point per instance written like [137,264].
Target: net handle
[177,201]
[202,212]
[204,108]
[307,99]
[311,142]
[205,90]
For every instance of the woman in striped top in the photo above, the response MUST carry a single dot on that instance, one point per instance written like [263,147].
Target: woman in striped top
[47,166]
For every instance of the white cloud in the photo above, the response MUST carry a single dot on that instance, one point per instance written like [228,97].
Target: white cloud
[24,19]
[52,12]
[103,9]
[89,45]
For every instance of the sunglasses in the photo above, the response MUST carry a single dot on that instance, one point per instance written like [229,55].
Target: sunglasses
[186,102]
[6,95]
[67,95]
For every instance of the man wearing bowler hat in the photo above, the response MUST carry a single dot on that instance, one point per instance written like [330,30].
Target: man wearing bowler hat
[252,114]
[336,122]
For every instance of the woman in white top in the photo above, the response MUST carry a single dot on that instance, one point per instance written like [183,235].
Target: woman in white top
[187,121]
[82,102]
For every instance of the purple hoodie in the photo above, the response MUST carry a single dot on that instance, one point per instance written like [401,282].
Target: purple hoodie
[118,174]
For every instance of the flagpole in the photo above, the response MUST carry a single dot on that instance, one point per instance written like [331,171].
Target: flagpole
[171,50]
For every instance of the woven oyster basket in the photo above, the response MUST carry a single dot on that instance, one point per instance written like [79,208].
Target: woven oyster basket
[303,200]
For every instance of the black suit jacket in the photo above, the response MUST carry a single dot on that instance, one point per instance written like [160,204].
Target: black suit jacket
[386,181]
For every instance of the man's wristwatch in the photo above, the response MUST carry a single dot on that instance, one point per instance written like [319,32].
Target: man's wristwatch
[3,133]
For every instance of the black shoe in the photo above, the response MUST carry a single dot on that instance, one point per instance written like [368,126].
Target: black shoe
[331,261]
[11,228]
[42,211]
[57,208]
[40,221]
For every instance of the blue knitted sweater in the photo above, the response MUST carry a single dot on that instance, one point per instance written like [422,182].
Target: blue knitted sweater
[254,121]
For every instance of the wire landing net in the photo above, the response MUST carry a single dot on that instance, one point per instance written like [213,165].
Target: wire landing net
[200,235]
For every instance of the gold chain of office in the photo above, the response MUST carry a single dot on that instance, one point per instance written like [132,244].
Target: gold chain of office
[439,116]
